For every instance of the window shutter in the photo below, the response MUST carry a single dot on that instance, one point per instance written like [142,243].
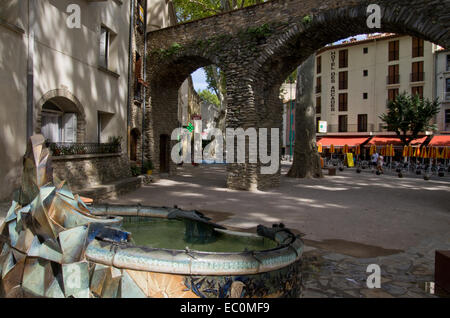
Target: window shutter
[70,127]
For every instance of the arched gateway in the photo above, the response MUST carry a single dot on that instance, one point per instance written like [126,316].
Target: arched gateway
[258,47]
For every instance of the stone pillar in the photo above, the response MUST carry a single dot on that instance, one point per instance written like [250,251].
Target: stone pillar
[251,106]
[161,119]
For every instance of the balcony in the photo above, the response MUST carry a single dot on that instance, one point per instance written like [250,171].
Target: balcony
[417,77]
[350,129]
[447,97]
[393,79]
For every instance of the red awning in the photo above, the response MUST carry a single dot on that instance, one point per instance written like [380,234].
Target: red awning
[440,141]
[340,142]
[418,142]
[383,141]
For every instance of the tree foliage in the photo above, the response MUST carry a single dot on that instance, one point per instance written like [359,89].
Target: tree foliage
[208,96]
[189,10]
[409,115]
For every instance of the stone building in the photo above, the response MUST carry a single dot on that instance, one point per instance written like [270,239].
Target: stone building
[67,73]
[442,87]
[355,79]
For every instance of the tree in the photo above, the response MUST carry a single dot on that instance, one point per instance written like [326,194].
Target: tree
[409,115]
[209,97]
[306,162]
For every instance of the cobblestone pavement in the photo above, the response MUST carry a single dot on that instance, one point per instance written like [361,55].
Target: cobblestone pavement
[327,274]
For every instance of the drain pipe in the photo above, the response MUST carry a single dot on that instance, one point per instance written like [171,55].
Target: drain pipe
[30,68]
[144,104]
[130,61]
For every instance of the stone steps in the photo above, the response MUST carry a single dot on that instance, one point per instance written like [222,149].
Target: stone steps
[111,190]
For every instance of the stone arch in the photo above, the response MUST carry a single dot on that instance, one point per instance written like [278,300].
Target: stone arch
[166,78]
[259,46]
[64,95]
[288,49]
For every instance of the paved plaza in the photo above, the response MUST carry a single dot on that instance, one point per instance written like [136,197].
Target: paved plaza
[347,221]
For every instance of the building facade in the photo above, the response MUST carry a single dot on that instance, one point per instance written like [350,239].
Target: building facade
[70,72]
[442,86]
[354,80]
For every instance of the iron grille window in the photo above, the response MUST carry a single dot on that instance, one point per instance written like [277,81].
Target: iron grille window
[318,105]
[343,123]
[417,90]
[319,65]
[343,80]
[394,50]
[417,47]
[343,59]
[362,123]
[343,102]
[392,94]
[394,74]
[417,74]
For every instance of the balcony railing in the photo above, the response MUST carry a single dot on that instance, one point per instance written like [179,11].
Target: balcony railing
[447,96]
[417,77]
[70,149]
[393,79]
[350,128]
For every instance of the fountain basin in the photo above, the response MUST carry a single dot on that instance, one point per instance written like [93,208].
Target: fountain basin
[271,268]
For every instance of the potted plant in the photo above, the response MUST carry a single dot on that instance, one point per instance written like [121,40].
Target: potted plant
[148,167]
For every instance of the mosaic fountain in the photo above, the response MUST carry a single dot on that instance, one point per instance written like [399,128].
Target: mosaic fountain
[53,245]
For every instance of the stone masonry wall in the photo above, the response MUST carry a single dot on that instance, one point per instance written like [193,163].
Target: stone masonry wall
[84,171]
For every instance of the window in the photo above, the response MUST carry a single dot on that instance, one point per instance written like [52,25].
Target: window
[343,123]
[365,50]
[319,65]
[57,126]
[318,105]
[343,102]
[365,95]
[318,85]
[362,123]
[447,116]
[448,63]
[104,47]
[138,78]
[318,119]
[343,80]
[447,85]
[343,59]
[417,47]
[417,90]
[417,74]
[366,73]
[394,74]
[394,50]
[392,94]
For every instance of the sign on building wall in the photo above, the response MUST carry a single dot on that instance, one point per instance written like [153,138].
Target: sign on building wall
[323,126]
[141,13]
[333,81]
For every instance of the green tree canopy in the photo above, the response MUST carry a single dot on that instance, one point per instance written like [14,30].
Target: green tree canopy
[208,96]
[409,115]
